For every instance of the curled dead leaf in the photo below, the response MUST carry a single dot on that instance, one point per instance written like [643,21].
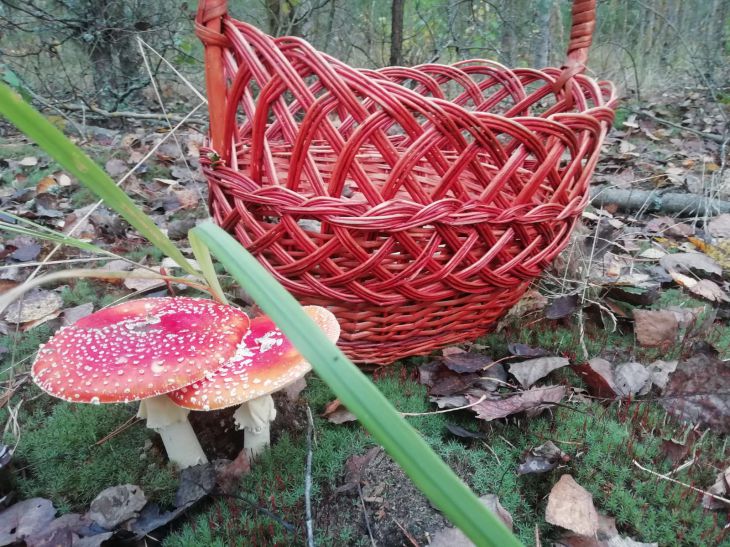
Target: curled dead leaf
[532,400]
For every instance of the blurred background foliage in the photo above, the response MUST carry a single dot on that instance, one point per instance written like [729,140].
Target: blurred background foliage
[79,54]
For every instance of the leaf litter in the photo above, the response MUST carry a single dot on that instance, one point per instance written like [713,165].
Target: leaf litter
[653,256]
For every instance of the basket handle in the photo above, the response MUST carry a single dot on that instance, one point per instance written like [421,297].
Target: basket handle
[583,23]
[208,27]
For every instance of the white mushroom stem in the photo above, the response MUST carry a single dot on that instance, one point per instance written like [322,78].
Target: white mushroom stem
[255,417]
[171,422]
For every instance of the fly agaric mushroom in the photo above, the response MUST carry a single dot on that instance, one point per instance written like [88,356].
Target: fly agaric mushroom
[139,351]
[265,362]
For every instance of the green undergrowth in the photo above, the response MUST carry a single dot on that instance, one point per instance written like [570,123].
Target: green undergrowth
[68,458]
[59,454]
[617,344]
[602,442]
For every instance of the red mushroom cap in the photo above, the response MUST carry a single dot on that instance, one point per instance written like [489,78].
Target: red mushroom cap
[138,349]
[265,362]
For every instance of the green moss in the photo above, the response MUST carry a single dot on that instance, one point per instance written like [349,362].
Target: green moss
[602,442]
[81,197]
[61,456]
[21,347]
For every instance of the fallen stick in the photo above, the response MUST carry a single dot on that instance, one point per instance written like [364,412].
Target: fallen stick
[709,136]
[653,201]
[132,115]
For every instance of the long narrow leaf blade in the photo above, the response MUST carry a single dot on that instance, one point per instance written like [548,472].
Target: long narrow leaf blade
[435,479]
[71,158]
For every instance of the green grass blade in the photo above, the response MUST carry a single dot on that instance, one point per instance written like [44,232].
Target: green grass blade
[9,296]
[434,478]
[71,158]
[31,229]
[202,255]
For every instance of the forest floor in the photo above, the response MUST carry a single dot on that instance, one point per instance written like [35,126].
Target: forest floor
[612,393]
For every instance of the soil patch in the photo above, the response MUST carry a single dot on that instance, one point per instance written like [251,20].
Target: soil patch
[397,512]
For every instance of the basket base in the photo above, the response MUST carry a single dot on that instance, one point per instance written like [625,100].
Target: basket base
[383,335]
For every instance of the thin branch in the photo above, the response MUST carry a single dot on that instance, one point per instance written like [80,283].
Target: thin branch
[134,115]
[308,481]
[670,479]
[709,136]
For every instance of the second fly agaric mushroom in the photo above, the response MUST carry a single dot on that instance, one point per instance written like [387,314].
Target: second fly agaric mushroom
[141,350]
[265,362]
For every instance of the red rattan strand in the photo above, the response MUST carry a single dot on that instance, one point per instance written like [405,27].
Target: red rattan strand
[416,203]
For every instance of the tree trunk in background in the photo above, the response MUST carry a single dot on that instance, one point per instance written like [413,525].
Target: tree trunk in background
[273,10]
[542,38]
[716,37]
[330,24]
[396,33]
[509,36]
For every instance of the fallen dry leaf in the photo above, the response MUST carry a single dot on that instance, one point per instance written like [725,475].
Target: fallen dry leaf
[660,371]
[28,161]
[229,477]
[116,504]
[63,532]
[444,382]
[523,350]
[532,400]
[721,488]
[142,284]
[699,390]
[463,433]
[45,184]
[336,413]
[116,167]
[570,506]
[530,371]
[709,290]
[631,379]
[453,537]
[541,459]
[607,536]
[354,467]
[598,376]
[720,226]
[463,362]
[187,198]
[33,306]
[562,306]
[24,519]
[26,251]
[655,328]
[697,263]
[71,315]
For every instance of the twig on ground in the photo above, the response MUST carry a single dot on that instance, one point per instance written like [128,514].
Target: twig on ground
[666,478]
[409,537]
[308,480]
[132,115]
[653,201]
[261,510]
[491,450]
[482,398]
[126,425]
[365,514]
[709,136]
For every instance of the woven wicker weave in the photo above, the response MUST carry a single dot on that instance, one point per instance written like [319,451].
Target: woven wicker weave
[415,203]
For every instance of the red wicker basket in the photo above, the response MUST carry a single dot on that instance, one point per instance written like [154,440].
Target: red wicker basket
[415,203]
